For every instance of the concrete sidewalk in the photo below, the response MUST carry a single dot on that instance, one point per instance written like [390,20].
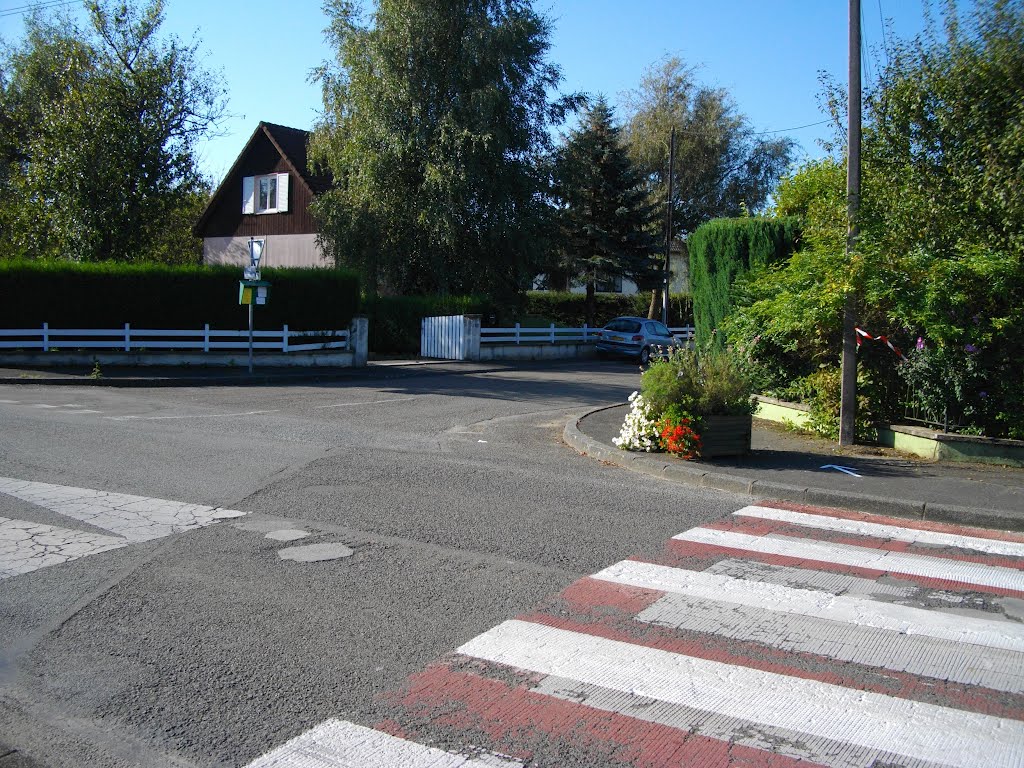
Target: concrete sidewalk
[794,467]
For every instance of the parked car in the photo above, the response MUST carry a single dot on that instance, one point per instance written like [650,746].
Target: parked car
[635,337]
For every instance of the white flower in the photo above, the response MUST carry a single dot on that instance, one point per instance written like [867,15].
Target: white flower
[639,431]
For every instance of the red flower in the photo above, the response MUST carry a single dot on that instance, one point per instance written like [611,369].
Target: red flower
[679,438]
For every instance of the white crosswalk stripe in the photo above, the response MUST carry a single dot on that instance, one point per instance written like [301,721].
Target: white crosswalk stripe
[26,546]
[739,646]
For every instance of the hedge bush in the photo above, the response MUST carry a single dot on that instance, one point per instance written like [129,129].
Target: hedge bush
[724,249]
[568,308]
[110,294]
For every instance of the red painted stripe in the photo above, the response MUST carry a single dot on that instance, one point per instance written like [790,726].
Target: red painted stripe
[903,522]
[699,557]
[443,703]
[757,526]
[621,598]
[585,612]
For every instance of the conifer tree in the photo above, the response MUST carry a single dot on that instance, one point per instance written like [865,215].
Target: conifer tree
[605,218]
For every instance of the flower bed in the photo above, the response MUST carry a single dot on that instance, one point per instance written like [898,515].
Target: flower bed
[692,405]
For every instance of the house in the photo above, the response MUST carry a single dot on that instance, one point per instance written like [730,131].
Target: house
[680,282]
[266,194]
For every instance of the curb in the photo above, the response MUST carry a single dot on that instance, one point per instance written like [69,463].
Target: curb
[168,381]
[692,474]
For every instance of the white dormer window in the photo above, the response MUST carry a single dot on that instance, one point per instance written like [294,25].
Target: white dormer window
[265,194]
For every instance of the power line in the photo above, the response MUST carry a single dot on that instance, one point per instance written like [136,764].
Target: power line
[21,10]
[794,128]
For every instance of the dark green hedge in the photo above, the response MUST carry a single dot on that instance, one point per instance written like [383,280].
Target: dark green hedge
[568,308]
[108,295]
[395,320]
[722,250]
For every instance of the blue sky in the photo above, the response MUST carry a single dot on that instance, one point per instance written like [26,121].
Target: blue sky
[767,54]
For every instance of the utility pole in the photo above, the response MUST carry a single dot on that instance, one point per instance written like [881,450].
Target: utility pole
[848,396]
[668,229]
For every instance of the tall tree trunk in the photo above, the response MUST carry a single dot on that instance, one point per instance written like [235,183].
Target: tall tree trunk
[655,303]
[591,302]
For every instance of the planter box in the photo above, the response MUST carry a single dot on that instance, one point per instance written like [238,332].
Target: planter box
[725,436]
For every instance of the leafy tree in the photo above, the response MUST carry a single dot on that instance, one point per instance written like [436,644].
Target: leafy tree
[99,136]
[605,218]
[435,116]
[723,168]
[939,264]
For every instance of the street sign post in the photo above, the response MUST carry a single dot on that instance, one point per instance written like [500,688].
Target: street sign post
[251,289]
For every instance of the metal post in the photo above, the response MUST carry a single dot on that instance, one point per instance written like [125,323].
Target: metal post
[251,307]
[668,228]
[848,396]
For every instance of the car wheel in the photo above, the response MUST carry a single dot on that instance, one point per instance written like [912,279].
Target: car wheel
[645,356]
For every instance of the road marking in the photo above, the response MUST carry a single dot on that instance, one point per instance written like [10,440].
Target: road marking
[25,546]
[898,619]
[845,470]
[946,569]
[891,532]
[190,416]
[722,661]
[363,402]
[341,744]
[911,728]
[10,402]
[835,583]
[43,405]
[131,519]
[135,518]
[921,655]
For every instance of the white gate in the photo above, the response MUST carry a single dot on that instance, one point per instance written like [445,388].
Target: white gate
[452,337]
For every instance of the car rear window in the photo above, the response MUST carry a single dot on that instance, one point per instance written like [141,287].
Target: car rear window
[624,326]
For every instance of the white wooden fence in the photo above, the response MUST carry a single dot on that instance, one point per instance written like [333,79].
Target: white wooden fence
[552,335]
[460,337]
[206,339]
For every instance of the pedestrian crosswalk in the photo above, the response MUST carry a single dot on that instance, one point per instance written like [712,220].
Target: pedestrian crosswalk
[26,546]
[783,635]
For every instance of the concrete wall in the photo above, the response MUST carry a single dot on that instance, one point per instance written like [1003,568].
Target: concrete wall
[941,446]
[926,443]
[770,409]
[279,251]
[535,351]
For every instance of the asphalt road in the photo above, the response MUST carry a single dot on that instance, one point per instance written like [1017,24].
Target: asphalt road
[452,501]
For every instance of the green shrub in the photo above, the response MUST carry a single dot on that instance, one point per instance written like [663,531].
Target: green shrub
[708,383]
[721,251]
[823,390]
[395,320]
[108,295]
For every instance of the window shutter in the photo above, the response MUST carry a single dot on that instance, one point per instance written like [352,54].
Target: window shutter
[248,194]
[282,192]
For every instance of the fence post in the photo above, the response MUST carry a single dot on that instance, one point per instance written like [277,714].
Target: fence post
[470,337]
[585,339]
[46,337]
[127,338]
[517,333]
[206,337]
[284,339]
[359,340]
[552,333]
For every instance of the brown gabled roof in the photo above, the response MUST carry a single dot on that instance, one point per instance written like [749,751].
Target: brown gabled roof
[292,144]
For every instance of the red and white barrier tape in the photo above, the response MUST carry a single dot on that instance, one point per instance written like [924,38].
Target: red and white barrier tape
[862,333]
